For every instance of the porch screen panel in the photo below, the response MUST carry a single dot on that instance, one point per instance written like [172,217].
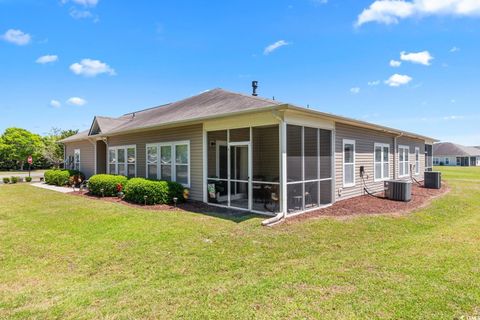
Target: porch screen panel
[166,163]
[240,135]
[121,162]
[325,154]
[294,153]
[311,152]
[131,160]
[217,167]
[266,169]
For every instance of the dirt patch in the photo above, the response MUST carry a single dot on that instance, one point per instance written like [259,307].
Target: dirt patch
[368,205]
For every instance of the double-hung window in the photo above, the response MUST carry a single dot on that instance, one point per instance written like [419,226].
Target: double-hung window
[417,160]
[348,163]
[169,161]
[122,160]
[76,159]
[403,162]
[382,161]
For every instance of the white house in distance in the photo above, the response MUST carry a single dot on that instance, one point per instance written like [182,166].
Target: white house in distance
[451,154]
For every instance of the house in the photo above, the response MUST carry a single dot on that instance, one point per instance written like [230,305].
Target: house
[451,154]
[251,153]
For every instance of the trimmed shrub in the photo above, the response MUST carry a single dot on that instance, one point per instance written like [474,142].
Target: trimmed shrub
[14,179]
[6,180]
[157,192]
[107,182]
[28,179]
[62,177]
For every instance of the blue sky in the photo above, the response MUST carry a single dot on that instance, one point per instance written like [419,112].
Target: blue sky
[408,64]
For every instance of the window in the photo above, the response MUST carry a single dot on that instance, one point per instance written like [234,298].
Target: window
[436,161]
[417,160]
[169,162]
[122,161]
[348,163]
[447,161]
[76,159]
[403,164]
[382,161]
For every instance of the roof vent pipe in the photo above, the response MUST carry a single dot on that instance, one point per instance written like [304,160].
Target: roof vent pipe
[254,87]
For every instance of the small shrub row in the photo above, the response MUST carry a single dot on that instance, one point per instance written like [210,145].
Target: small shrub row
[14,179]
[63,177]
[150,192]
[106,182]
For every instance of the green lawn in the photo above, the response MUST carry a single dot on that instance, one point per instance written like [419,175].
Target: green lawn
[69,257]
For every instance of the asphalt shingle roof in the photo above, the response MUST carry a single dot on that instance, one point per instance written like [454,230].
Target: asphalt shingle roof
[452,149]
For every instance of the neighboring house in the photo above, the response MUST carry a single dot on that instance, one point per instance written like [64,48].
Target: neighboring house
[451,154]
[251,153]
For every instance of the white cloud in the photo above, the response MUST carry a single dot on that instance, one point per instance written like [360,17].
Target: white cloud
[85,3]
[373,83]
[398,80]
[355,90]
[391,11]
[453,117]
[91,68]
[17,37]
[423,57]
[275,46]
[454,49]
[395,63]
[47,59]
[80,14]
[76,101]
[55,103]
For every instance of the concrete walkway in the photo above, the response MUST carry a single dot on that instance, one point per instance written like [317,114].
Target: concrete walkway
[53,188]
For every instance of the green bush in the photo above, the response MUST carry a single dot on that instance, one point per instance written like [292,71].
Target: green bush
[157,192]
[28,179]
[107,182]
[6,180]
[14,179]
[62,177]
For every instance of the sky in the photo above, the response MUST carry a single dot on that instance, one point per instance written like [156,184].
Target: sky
[413,65]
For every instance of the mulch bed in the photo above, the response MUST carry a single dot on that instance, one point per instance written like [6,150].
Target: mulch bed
[357,206]
[368,205]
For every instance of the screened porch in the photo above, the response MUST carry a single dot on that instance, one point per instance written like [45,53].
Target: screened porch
[244,168]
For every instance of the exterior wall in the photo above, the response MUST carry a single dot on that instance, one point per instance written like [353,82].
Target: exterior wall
[87,155]
[193,133]
[365,140]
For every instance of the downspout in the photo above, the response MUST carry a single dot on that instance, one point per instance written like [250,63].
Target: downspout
[282,215]
[395,147]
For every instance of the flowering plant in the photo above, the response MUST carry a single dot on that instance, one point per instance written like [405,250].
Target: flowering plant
[119,187]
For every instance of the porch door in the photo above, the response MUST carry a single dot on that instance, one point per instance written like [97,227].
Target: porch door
[239,159]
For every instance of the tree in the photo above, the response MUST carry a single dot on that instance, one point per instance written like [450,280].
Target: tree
[17,144]
[53,151]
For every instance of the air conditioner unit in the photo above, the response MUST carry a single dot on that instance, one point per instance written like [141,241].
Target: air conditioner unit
[433,180]
[398,190]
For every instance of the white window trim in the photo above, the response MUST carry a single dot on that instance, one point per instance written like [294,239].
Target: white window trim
[79,159]
[407,167]
[347,141]
[173,145]
[382,162]
[116,148]
[417,162]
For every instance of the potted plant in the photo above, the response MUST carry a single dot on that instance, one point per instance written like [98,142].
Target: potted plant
[120,193]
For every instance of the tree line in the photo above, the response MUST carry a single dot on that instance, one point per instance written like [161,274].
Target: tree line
[17,144]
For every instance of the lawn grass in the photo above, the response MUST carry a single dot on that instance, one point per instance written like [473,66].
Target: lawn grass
[69,257]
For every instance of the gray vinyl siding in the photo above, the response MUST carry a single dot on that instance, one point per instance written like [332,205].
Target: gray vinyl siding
[365,140]
[192,133]
[87,155]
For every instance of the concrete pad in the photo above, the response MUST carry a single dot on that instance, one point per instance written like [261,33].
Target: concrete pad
[53,188]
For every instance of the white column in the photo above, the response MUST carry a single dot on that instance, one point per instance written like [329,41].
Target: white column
[283,166]
[205,165]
